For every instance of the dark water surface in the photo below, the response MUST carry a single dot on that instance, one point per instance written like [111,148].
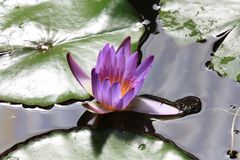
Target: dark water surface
[178,72]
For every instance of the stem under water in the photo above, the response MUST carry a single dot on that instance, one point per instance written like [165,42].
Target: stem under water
[231,151]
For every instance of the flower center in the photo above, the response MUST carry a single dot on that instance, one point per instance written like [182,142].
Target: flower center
[110,108]
[126,85]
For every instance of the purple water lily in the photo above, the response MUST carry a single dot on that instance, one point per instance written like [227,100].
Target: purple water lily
[116,80]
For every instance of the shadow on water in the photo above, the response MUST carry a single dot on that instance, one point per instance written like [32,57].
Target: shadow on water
[133,121]
[125,121]
[136,122]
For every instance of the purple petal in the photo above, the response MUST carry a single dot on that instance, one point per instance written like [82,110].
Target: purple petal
[101,57]
[94,76]
[120,65]
[96,86]
[126,45]
[138,86]
[131,65]
[144,66]
[112,62]
[119,105]
[96,108]
[151,107]
[127,98]
[114,93]
[120,60]
[107,69]
[110,57]
[79,74]
[113,56]
[105,88]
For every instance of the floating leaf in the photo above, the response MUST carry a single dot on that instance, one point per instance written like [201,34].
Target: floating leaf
[202,19]
[36,35]
[100,144]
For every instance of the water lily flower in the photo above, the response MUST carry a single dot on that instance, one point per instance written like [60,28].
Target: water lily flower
[115,81]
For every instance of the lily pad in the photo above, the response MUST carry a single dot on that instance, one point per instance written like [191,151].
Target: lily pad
[191,20]
[101,144]
[36,35]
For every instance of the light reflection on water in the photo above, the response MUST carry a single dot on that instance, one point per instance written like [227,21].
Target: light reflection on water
[18,124]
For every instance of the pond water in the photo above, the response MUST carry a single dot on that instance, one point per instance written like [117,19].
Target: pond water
[181,71]
[178,72]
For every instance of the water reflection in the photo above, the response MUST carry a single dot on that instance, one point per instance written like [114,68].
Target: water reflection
[209,130]
[18,124]
[182,71]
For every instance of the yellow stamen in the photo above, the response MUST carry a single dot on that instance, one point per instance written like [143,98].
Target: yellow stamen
[107,107]
[125,87]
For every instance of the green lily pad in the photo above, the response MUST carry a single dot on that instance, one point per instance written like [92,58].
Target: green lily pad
[101,144]
[191,20]
[36,35]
